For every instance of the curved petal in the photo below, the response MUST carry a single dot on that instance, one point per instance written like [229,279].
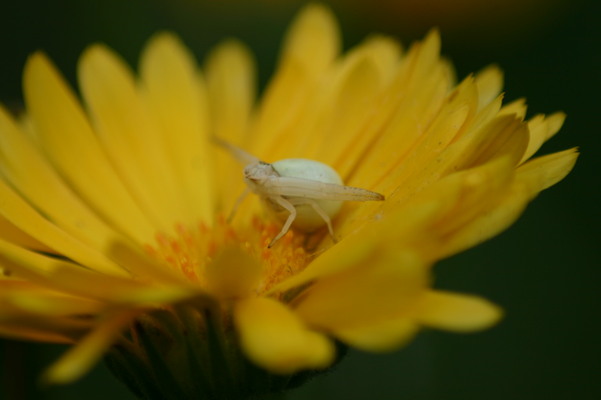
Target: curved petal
[504,136]
[177,99]
[347,126]
[62,276]
[313,37]
[82,356]
[504,206]
[309,51]
[33,314]
[517,108]
[542,128]
[21,331]
[11,233]
[72,279]
[542,172]
[69,141]
[406,158]
[464,201]
[24,165]
[456,312]
[365,294]
[132,141]
[490,220]
[23,216]
[390,235]
[232,273]
[230,75]
[341,110]
[23,296]
[418,91]
[380,336]
[442,218]
[274,338]
[490,83]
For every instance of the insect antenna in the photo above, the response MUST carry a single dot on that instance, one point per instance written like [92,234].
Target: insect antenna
[240,155]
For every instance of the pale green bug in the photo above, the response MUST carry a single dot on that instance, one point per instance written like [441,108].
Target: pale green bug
[310,192]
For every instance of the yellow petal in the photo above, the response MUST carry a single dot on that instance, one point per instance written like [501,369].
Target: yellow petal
[57,329]
[312,37]
[468,192]
[23,216]
[369,293]
[488,222]
[40,314]
[516,108]
[352,251]
[309,51]
[421,60]
[467,196]
[490,84]
[274,338]
[429,220]
[30,173]
[449,123]
[381,336]
[511,139]
[348,121]
[66,135]
[385,52]
[132,140]
[334,110]
[370,238]
[230,74]
[456,312]
[23,333]
[488,211]
[177,101]
[141,266]
[542,128]
[368,306]
[504,136]
[232,273]
[38,264]
[487,113]
[11,233]
[56,306]
[420,176]
[542,172]
[35,299]
[81,357]
[419,90]
[343,109]
[69,278]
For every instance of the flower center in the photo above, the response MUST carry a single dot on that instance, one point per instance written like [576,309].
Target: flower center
[192,250]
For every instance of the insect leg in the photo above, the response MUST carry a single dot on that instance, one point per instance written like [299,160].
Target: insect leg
[239,200]
[288,206]
[323,216]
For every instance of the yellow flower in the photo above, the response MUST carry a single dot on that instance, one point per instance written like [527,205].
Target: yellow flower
[112,225]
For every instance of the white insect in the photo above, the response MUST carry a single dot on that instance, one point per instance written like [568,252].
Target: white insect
[301,191]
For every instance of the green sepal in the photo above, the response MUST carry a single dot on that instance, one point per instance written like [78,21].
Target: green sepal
[192,352]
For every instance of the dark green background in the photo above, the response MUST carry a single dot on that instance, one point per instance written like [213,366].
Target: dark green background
[545,270]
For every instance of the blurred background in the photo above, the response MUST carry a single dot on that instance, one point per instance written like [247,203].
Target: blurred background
[545,270]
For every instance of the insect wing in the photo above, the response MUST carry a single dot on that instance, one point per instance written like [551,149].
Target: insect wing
[310,189]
